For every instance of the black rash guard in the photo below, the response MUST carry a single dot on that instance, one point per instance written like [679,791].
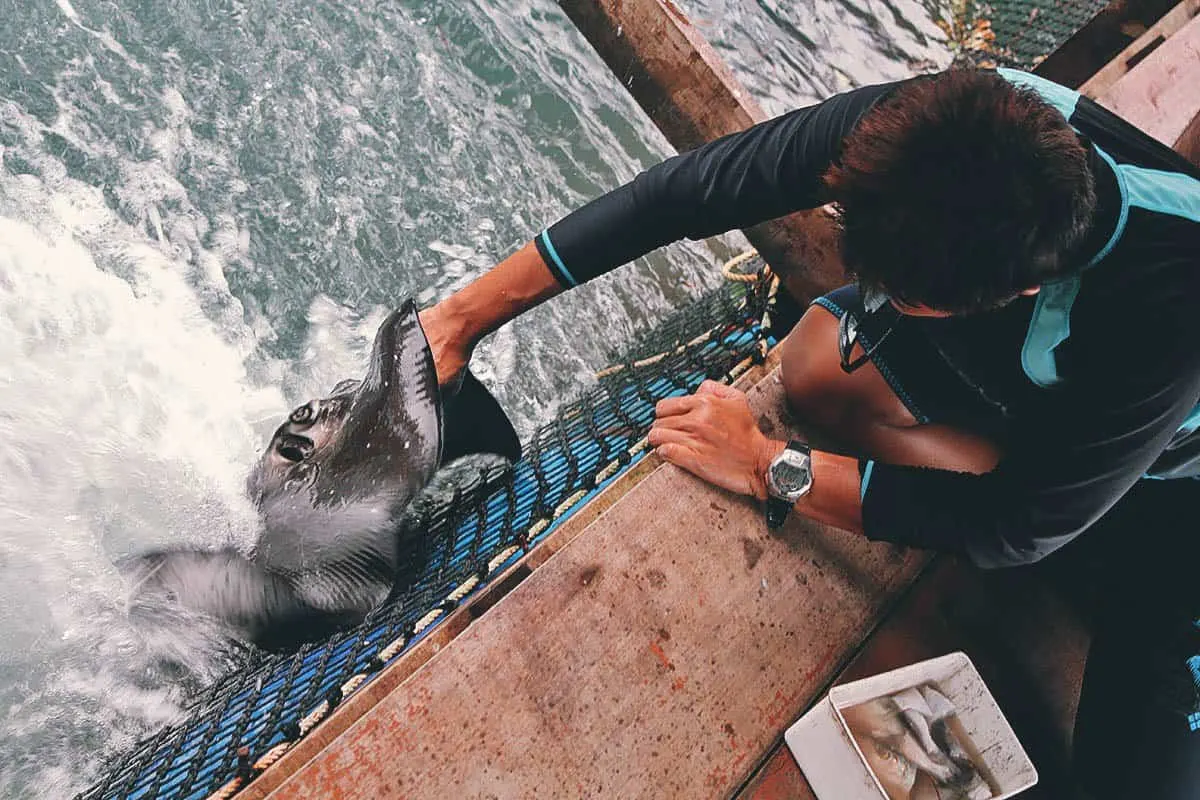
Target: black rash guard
[1098,375]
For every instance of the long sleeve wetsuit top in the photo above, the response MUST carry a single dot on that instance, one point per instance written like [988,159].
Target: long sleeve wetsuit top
[1099,374]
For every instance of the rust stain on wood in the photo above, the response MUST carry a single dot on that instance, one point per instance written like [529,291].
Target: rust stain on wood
[656,648]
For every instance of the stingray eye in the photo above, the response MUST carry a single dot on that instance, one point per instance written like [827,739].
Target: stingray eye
[302,415]
[294,448]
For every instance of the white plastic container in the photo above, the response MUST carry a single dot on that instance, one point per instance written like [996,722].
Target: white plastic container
[822,745]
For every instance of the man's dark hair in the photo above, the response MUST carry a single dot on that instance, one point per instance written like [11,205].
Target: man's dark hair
[960,190]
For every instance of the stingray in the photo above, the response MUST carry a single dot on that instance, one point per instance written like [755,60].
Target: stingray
[331,490]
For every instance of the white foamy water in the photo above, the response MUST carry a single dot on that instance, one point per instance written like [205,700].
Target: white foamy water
[127,420]
[133,398]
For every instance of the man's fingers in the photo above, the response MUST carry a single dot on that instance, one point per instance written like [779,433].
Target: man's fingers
[718,389]
[673,406]
[662,434]
[680,455]
[682,422]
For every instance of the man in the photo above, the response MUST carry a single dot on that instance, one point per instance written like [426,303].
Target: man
[1021,348]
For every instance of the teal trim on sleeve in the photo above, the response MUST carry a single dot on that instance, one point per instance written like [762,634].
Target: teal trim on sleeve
[1155,190]
[1062,98]
[1192,423]
[1164,192]
[1048,328]
[558,262]
[866,480]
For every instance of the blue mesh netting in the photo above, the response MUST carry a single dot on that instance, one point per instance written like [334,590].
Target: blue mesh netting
[592,442]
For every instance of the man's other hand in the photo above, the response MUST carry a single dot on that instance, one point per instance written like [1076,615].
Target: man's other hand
[712,434]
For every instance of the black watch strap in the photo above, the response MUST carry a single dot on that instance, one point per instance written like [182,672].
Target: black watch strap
[803,447]
[777,511]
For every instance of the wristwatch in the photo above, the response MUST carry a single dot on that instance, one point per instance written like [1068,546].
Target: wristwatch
[788,479]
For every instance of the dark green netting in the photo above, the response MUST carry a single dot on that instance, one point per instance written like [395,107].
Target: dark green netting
[1028,32]
[1014,33]
[458,543]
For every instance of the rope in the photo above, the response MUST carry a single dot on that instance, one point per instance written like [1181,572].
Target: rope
[728,269]
[730,273]
[654,359]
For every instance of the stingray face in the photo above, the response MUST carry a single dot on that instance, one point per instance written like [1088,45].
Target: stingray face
[303,445]
[375,440]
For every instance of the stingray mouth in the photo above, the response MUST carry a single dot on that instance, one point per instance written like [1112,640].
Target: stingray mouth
[294,447]
[380,434]
[400,374]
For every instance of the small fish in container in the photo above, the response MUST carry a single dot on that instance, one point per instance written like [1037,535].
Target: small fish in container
[915,746]
[928,731]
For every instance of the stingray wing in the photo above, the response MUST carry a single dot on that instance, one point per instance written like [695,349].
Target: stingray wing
[257,604]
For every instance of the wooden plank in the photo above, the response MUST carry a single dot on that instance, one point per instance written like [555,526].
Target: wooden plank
[1188,143]
[1161,95]
[359,703]
[692,96]
[658,655]
[1101,40]
[1104,79]
[668,67]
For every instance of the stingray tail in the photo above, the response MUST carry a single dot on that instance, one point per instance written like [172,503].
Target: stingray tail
[474,422]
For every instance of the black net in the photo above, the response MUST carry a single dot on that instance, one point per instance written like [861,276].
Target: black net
[1014,33]
[458,541]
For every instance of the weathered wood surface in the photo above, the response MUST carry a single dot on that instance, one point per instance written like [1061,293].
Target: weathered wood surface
[689,92]
[1162,94]
[1100,83]
[659,655]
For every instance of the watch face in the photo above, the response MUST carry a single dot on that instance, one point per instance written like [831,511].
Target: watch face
[791,473]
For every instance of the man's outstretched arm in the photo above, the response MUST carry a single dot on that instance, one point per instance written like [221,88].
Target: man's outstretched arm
[764,172]
[455,325]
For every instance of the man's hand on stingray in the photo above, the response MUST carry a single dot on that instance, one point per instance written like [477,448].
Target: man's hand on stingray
[450,348]
[712,434]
